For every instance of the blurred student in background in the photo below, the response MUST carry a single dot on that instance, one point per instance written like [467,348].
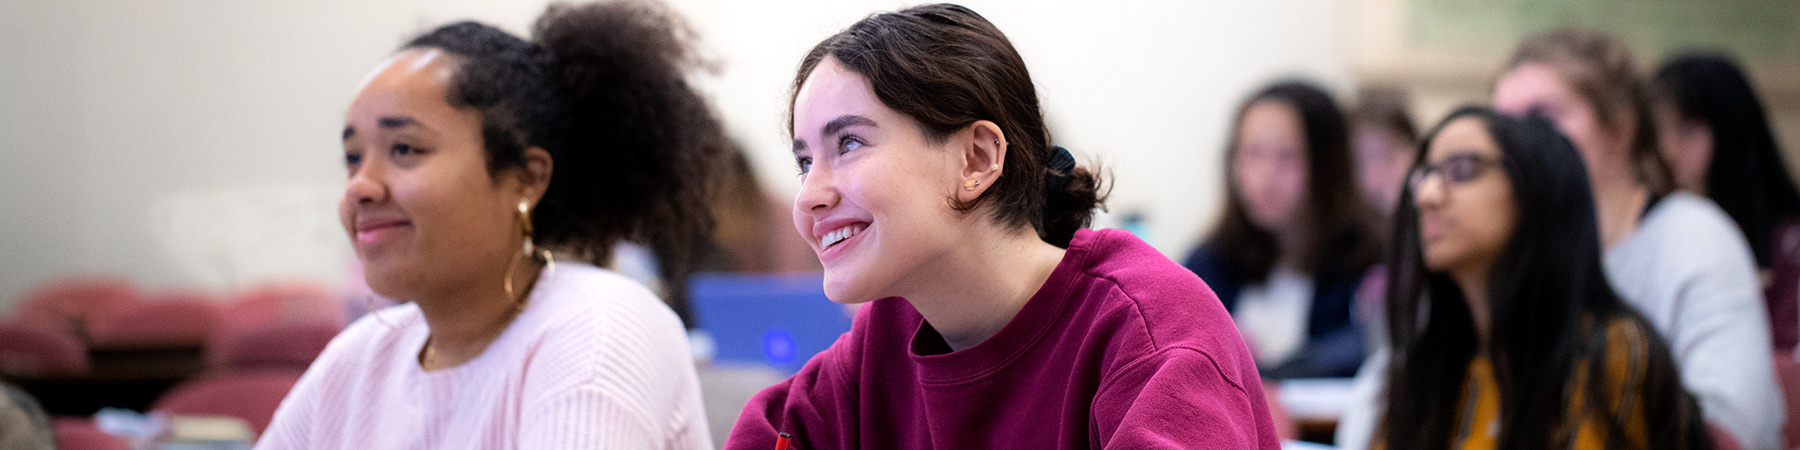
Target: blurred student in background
[1384,139]
[1719,144]
[470,153]
[1673,255]
[932,191]
[1296,237]
[1505,333]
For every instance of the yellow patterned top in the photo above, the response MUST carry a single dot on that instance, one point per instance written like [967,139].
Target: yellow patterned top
[1479,425]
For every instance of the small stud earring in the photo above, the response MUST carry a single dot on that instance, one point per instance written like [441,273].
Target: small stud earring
[971,184]
[996,166]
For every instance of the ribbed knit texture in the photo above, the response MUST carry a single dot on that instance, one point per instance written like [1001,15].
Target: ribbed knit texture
[594,361]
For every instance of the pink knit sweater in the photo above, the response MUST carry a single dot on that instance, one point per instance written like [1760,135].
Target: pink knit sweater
[594,361]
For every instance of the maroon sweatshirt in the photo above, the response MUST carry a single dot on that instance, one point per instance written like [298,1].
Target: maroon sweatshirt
[1121,348]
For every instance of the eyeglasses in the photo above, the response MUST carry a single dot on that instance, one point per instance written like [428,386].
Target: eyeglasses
[1459,168]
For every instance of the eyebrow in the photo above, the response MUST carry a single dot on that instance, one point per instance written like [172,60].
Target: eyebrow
[386,123]
[837,125]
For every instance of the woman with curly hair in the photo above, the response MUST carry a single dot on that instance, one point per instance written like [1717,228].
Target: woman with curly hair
[488,176]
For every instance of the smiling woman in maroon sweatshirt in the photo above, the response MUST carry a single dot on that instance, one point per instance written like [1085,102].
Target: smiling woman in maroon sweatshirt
[930,189]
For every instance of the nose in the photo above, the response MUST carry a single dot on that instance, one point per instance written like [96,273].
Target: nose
[367,185]
[818,193]
[1429,193]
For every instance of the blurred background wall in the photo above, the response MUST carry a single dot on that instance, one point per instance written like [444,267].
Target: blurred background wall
[194,142]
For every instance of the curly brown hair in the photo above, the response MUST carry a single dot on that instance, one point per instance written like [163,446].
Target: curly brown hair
[603,88]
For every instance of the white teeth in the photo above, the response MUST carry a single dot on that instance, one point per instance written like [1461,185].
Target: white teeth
[838,235]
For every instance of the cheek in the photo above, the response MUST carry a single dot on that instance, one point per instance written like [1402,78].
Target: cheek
[345,219]
[1497,218]
[1292,186]
[1584,133]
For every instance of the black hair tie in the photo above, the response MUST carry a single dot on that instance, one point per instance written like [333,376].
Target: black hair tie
[1059,165]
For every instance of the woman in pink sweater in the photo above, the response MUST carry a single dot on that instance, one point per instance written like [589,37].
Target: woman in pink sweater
[471,153]
[929,187]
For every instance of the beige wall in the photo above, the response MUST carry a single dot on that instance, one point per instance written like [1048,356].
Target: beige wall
[191,142]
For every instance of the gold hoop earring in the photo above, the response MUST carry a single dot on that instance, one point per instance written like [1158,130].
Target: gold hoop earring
[525,228]
[527,250]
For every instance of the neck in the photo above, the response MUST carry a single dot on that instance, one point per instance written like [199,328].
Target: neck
[978,288]
[464,319]
[1474,287]
[1618,203]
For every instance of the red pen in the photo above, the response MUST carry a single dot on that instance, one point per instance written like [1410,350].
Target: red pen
[781,441]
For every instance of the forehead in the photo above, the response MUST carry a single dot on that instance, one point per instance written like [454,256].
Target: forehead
[1528,85]
[1464,135]
[412,81]
[832,90]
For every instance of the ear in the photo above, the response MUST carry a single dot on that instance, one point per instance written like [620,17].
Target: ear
[983,157]
[534,177]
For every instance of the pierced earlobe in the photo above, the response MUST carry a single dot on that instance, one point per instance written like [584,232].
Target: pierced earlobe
[970,185]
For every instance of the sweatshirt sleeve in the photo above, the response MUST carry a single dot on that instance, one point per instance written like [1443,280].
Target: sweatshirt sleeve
[817,407]
[1180,398]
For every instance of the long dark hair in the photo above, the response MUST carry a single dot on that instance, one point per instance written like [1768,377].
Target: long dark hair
[603,88]
[1338,229]
[1550,306]
[1747,176]
[947,67]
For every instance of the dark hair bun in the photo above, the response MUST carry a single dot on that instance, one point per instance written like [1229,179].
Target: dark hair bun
[1070,206]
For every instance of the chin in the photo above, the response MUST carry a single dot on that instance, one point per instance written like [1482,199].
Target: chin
[1440,261]
[841,287]
[386,280]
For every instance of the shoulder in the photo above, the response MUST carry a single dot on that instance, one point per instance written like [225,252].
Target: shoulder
[375,335]
[1687,233]
[577,298]
[1688,222]
[590,327]
[1139,288]
[1120,258]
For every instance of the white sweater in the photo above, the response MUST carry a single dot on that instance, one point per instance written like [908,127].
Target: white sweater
[1688,270]
[594,361]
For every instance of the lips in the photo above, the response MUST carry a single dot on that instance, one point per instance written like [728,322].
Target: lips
[840,235]
[1430,228]
[373,231]
[835,236]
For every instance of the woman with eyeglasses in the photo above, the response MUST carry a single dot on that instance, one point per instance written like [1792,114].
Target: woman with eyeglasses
[1673,256]
[1505,332]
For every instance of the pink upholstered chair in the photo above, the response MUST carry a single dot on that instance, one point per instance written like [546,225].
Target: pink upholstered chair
[163,321]
[279,346]
[32,350]
[71,304]
[249,396]
[81,434]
